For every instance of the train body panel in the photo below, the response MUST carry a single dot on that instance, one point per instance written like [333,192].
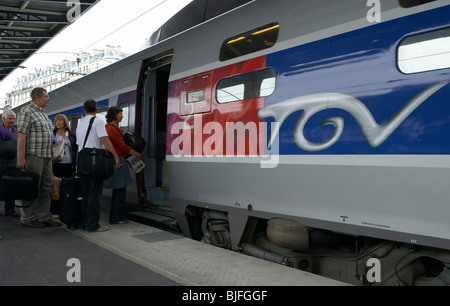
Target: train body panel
[375,175]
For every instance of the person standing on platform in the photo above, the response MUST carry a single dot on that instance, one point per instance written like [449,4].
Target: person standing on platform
[34,153]
[66,167]
[8,152]
[121,177]
[92,188]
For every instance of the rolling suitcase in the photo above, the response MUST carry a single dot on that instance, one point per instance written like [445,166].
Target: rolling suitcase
[70,201]
[19,185]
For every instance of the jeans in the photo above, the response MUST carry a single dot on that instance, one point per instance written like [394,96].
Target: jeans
[117,212]
[92,190]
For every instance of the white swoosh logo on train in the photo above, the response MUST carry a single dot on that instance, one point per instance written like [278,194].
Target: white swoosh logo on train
[374,133]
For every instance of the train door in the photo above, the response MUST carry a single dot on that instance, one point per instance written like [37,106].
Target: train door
[152,110]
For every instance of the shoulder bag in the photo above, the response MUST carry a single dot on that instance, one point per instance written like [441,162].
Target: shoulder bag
[93,162]
[58,151]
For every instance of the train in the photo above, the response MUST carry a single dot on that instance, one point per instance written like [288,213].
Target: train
[314,134]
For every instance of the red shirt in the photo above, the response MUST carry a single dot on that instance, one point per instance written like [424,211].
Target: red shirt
[116,137]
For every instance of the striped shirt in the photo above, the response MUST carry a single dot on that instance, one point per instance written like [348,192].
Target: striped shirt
[35,124]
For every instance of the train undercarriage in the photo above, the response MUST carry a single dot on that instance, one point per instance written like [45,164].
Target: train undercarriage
[356,260]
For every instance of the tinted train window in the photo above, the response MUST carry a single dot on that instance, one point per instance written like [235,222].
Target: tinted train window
[412,3]
[425,52]
[249,42]
[101,113]
[124,124]
[251,85]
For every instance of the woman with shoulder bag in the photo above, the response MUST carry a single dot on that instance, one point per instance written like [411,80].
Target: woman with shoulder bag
[65,167]
[121,177]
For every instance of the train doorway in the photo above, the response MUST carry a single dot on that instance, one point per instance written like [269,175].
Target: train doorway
[151,117]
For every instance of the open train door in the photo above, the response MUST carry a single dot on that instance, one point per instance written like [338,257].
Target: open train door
[152,118]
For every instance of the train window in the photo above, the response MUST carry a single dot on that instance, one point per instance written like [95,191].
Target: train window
[425,52]
[251,85]
[412,3]
[124,124]
[102,114]
[195,96]
[249,42]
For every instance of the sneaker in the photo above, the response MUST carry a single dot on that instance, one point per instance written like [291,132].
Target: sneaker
[102,228]
[51,222]
[34,224]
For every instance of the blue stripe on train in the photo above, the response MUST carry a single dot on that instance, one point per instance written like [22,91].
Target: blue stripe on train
[363,64]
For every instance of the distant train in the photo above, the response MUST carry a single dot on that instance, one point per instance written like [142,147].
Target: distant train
[315,134]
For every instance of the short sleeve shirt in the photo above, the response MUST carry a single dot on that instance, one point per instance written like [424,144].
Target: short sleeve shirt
[97,131]
[38,128]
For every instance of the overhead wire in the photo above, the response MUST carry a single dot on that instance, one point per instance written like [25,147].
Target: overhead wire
[122,26]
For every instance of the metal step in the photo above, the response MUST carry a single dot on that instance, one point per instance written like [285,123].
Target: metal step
[155,217]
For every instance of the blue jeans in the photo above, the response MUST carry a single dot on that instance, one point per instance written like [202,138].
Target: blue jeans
[92,190]
[5,166]
[117,212]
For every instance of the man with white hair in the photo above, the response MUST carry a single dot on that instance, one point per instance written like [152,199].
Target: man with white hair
[8,152]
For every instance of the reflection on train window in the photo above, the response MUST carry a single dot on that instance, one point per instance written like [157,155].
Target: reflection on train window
[124,124]
[251,85]
[249,42]
[425,52]
[102,114]
[73,122]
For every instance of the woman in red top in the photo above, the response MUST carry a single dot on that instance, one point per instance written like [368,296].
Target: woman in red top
[121,177]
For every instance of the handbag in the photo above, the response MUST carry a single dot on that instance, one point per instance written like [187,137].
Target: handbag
[56,187]
[93,162]
[134,141]
[58,151]
[20,185]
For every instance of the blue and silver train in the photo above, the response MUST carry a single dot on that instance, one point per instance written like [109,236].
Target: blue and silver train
[315,134]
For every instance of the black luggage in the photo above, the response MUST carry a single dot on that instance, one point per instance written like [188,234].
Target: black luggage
[135,141]
[70,201]
[19,185]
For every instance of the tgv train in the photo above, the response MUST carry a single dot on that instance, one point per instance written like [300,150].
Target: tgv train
[314,134]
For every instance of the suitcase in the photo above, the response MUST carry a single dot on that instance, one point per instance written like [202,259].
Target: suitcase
[70,202]
[19,185]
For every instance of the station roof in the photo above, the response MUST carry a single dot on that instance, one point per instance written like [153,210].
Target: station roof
[25,26]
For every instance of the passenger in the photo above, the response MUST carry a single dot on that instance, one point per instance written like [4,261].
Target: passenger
[66,167]
[121,177]
[8,153]
[92,189]
[34,153]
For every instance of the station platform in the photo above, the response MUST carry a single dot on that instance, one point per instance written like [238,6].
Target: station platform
[132,254]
